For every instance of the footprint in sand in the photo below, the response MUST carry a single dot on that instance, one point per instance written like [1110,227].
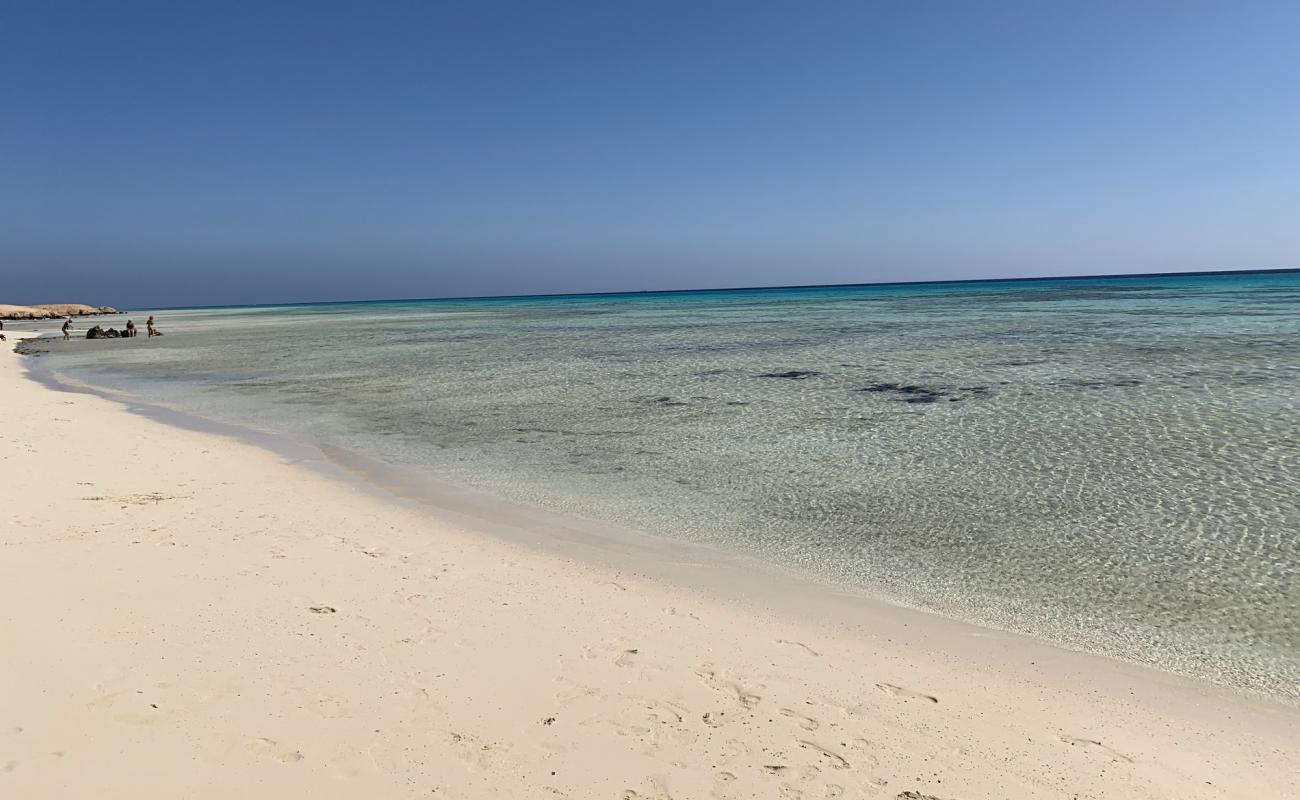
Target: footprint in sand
[429,633]
[273,749]
[836,760]
[660,792]
[899,691]
[477,755]
[863,752]
[800,645]
[1076,741]
[747,698]
[805,722]
[667,713]
[718,680]
[322,609]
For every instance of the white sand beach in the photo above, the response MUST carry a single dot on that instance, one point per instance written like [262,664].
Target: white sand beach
[184,614]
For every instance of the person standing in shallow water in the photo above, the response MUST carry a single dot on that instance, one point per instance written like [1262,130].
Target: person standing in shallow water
[148,325]
[67,329]
[130,328]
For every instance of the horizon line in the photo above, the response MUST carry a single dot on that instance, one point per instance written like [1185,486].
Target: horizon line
[787,287]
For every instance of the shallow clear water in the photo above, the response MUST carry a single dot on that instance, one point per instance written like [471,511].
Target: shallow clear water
[1113,464]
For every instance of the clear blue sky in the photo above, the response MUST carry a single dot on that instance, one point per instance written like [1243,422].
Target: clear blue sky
[223,152]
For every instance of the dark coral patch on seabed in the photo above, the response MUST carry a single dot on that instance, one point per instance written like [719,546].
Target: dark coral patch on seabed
[917,395]
[792,374]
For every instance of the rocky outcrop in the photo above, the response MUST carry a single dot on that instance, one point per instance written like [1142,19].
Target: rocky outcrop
[98,332]
[53,311]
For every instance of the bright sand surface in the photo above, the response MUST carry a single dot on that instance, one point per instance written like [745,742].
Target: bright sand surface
[186,614]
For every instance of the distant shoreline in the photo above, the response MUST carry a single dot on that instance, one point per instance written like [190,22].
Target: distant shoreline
[53,311]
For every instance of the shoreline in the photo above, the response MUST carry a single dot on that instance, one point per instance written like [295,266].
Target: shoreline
[925,704]
[726,575]
[732,574]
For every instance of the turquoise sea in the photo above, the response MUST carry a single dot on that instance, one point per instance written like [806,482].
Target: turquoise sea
[1109,463]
